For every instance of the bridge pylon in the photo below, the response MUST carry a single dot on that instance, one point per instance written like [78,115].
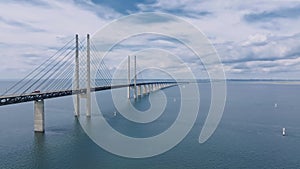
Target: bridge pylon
[88,78]
[77,97]
[135,77]
[129,80]
[79,94]
[135,87]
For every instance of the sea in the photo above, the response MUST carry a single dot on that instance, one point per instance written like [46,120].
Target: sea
[249,134]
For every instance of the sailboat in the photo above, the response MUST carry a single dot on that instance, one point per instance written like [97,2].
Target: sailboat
[283,131]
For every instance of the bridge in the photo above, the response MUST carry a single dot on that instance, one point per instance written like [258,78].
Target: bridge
[68,72]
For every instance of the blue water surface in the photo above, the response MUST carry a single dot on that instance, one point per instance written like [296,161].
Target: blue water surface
[248,136]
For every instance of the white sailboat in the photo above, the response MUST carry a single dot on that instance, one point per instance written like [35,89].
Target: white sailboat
[283,131]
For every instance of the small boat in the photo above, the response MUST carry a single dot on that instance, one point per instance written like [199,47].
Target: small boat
[115,113]
[283,131]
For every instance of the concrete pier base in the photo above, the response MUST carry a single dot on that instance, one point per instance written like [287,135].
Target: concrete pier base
[144,90]
[39,118]
[138,90]
[141,91]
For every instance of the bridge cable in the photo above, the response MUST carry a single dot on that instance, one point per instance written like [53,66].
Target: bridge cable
[50,76]
[38,73]
[33,71]
[42,76]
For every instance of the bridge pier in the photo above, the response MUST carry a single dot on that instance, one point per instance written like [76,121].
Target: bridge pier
[145,89]
[154,87]
[39,118]
[134,93]
[149,88]
[139,90]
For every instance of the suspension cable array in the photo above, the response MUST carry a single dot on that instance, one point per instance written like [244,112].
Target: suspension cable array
[57,72]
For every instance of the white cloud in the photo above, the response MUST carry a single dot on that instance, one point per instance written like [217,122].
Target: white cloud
[58,22]
[248,49]
[257,39]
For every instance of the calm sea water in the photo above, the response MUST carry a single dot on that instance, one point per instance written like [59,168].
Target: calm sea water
[249,134]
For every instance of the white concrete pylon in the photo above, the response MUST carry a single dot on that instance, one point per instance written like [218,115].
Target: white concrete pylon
[77,97]
[135,77]
[88,78]
[128,69]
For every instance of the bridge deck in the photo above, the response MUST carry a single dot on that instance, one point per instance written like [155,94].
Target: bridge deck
[14,99]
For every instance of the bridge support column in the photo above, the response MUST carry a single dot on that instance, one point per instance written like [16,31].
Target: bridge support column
[141,91]
[39,119]
[144,89]
[128,90]
[135,93]
[138,90]
[148,88]
[88,79]
[135,77]
[77,102]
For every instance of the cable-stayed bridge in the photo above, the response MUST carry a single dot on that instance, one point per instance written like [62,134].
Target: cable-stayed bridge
[75,69]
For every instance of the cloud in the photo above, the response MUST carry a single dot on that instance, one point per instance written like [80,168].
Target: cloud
[152,50]
[256,39]
[124,8]
[276,55]
[280,13]
[39,28]
[102,11]
[20,25]
[253,39]
[178,7]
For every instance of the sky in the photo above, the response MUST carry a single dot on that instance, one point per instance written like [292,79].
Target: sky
[254,39]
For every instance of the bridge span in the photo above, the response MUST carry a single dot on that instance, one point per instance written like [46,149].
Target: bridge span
[41,82]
